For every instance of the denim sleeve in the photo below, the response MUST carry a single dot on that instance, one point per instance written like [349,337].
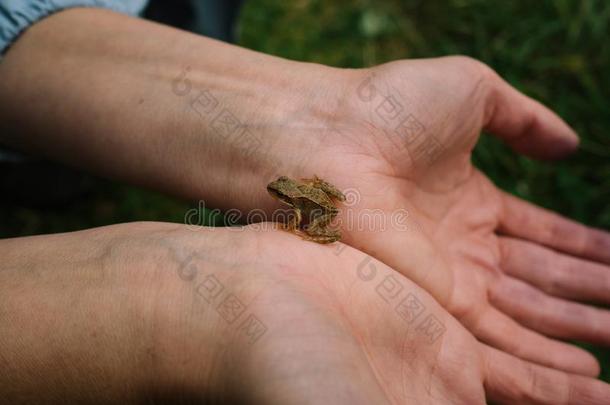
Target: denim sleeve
[17,15]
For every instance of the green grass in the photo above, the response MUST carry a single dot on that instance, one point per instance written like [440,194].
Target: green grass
[556,51]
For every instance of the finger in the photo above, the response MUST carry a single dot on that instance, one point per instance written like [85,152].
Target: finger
[511,380]
[555,273]
[526,125]
[527,221]
[498,330]
[549,315]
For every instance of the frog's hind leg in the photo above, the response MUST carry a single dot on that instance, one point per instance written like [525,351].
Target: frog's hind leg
[318,231]
[325,186]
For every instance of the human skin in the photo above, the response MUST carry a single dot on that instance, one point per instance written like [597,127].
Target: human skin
[134,313]
[123,98]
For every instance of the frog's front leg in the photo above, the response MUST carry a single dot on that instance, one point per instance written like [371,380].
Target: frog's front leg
[294,223]
[318,231]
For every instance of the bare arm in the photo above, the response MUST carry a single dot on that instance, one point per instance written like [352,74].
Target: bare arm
[150,105]
[111,94]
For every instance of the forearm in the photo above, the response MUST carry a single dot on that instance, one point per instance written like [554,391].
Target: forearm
[148,104]
[107,317]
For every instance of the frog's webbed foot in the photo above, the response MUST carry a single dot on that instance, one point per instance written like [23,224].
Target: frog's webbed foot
[325,186]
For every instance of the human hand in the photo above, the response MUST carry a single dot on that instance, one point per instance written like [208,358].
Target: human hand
[401,135]
[474,245]
[159,311]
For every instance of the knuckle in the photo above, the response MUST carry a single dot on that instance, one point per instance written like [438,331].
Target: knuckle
[554,283]
[530,388]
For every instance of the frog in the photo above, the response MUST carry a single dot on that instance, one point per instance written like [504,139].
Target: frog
[311,198]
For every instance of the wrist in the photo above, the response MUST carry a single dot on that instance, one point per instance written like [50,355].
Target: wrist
[206,326]
[265,119]
[167,113]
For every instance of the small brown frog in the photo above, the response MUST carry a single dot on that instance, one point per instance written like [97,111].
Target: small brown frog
[311,199]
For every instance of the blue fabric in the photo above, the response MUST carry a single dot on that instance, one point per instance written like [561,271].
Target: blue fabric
[18,15]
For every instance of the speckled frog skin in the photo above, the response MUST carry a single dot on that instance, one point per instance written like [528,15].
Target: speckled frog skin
[313,199]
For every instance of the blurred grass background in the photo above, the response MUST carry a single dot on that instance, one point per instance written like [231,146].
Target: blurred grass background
[555,51]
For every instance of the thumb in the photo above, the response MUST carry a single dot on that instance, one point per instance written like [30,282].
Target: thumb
[526,125]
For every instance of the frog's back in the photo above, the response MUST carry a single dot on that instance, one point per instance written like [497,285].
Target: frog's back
[316,196]
[292,193]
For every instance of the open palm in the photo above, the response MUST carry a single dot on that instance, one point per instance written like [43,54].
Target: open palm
[342,327]
[400,143]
